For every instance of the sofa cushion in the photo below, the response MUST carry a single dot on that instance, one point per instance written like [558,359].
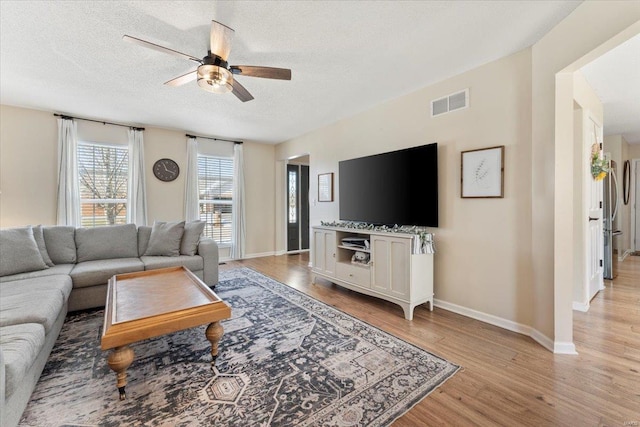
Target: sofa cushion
[98,272]
[60,282]
[19,251]
[144,233]
[51,271]
[61,243]
[106,242]
[165,238]
[21,344]
[38,235]
[41,307]
[191,236]
[193,263]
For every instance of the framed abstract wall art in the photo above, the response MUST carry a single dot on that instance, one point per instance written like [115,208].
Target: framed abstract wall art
[482,173]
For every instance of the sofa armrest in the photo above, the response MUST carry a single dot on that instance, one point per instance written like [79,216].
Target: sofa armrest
[208,250]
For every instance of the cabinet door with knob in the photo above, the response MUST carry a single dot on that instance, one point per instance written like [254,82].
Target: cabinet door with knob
[324,251]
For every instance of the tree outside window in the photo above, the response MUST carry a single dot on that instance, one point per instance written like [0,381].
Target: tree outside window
[103,172]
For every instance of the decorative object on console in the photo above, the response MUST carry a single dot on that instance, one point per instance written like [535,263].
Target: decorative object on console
[325,187]
[166,170]
[482,173]
[423,243]
[361,258]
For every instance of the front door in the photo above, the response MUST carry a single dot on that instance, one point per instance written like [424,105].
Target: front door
[595,237]
[297,207]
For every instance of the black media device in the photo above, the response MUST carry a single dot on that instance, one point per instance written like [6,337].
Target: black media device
[398,187]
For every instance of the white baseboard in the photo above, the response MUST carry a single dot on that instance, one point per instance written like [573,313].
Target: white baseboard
[581,306]
[483,317]
[248,256]
[625,255]
[258,255]
[564,348]
[542,339]
[539,337]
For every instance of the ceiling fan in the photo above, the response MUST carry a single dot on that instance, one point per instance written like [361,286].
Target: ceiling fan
[214,74]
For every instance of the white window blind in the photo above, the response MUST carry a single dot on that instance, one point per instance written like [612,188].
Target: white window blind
[103,173]
[215,190]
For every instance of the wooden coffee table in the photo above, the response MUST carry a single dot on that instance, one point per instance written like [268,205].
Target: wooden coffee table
[152,303]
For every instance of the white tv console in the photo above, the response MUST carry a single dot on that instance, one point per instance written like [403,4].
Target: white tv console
[393,273]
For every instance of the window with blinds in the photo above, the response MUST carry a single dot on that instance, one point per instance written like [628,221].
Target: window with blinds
[215,189]
[103,174]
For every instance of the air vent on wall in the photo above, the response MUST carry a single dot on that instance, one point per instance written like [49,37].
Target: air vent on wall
[453,102]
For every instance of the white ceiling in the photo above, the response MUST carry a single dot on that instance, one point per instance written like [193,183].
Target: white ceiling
[615,77]
[345,56]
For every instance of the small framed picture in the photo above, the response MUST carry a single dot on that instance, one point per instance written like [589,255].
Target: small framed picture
[482,173]
[325,187]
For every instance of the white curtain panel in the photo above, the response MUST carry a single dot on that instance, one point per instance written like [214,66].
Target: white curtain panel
[68,179]
[191,202]
[136,191]
[238,251]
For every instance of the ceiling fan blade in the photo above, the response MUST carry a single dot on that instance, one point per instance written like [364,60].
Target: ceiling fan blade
[264,72]
[160,48]
[185,78]
[220,39]
[242,93]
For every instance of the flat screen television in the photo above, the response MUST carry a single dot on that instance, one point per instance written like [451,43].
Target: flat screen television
[393,188]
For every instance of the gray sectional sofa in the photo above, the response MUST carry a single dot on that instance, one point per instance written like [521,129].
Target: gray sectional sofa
[46,271]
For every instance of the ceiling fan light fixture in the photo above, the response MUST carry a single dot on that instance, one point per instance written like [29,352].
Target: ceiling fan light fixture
[213,78]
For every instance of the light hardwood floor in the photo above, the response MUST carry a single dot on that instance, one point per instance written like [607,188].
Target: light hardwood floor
[507,379]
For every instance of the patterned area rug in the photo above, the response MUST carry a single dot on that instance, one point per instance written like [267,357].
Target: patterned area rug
[285,359]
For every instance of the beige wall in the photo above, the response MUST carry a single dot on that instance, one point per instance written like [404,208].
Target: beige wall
[585,34]
[466,276]
[28,159]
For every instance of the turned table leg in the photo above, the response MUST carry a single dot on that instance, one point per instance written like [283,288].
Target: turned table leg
[119,360]
[214,333]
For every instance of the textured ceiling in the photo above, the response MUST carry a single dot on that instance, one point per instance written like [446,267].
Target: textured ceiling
[615,77]
[347,56]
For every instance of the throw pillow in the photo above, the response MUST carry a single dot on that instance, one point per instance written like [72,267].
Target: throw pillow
[165,238]
[19,251]
[38,235]
[61,243]
[192,232]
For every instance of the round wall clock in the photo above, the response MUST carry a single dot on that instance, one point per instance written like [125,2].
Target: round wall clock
[166,170]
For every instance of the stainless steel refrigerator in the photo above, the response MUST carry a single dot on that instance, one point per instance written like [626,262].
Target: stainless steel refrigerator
[610,211]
